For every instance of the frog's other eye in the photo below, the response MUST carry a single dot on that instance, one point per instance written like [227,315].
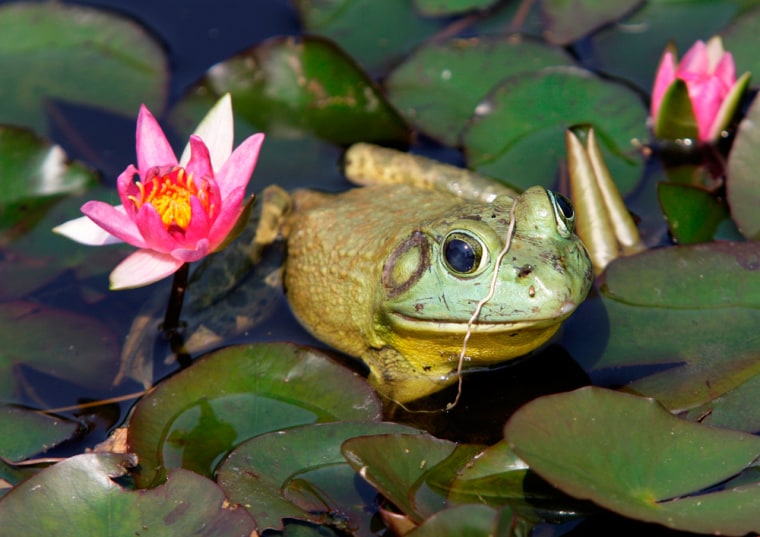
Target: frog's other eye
[463,253]
[563,213]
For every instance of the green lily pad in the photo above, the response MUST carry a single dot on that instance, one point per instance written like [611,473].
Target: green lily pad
[742,189]
[705,295]
[438,8]
[75,54]
[24,432]
[265,473]
[78,496]
[196,417]
[59,343]
[631,49]
[290,87]
[398,464]
[473,521]
[631,456]
[693,214]
[394,30]
[568,21]
[521,126]
[739,38]
[438,87]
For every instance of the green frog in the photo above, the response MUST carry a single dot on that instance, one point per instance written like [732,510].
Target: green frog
[421,280]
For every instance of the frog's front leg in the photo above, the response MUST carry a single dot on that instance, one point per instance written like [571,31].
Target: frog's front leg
[368,164]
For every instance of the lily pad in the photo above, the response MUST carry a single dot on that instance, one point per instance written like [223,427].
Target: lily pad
[50,50]
[196,417]
[289,87]
[79,496]
[521,126]
[742,188]
[395,29]
[568,21]
[438,87]
[24,432]
[265,473]
[438,8]
[397,465]
[693,214]
[74,347]
[473,521]
[631,456]
[739,38]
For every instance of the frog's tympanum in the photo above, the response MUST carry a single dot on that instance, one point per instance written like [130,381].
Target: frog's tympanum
[392,274]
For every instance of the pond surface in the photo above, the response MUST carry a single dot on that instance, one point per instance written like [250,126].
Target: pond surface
[667,338]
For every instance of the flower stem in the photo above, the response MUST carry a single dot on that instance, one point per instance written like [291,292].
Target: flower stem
[177,296]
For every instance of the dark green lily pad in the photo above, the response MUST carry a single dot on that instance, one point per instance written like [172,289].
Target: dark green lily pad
[519,133]
[631,49]
[704,295]
[630,455]
[394,30]
[50,50]
[569,21]
[78,496]
[740,37]
[693,214]
[24,432]
[438,8]
[438,87]
[473,521]
[75,347]
[289,87]
[196,417]
[742,187]
[397,465]
[282,475]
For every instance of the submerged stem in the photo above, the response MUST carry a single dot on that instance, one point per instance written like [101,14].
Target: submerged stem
[176,297]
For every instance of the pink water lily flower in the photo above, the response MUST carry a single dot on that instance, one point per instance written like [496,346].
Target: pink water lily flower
[174,211]
[710,77]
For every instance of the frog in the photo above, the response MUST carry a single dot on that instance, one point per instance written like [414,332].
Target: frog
[421,276]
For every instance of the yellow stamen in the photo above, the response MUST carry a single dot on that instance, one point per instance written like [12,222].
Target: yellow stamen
[169,193]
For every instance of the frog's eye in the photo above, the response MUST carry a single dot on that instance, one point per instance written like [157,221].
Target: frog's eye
[463,253]
[563,213]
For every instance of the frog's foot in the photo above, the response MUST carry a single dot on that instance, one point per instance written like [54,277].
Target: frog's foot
[276,207]
[398,380]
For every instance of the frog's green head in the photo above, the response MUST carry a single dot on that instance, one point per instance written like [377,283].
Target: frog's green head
[434,279]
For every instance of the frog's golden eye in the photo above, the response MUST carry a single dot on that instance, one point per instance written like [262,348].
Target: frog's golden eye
[563,213]
[463,253]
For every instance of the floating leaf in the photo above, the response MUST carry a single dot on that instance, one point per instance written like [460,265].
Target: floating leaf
[397,465]
[78,496]
[742,183]
[473,521]
[693,214]
[521,126]
[630,455]
[263,472]
[438,8]
[77,54]
[289,87]
[438,87]
[194,418]
[24,433]
[568,21]
[59,343]
[394,30]
[740,37]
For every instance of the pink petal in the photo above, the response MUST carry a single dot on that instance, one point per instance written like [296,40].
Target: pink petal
[198,228]
[706,99]
[231,209]
[153,230]
[237,171]
[143,268]
[725,71]
[217,132]
[200,162]
[666,74]
[126,187]
[153,148]
[85,231]
[114,221]
[695,60]
[187,255]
